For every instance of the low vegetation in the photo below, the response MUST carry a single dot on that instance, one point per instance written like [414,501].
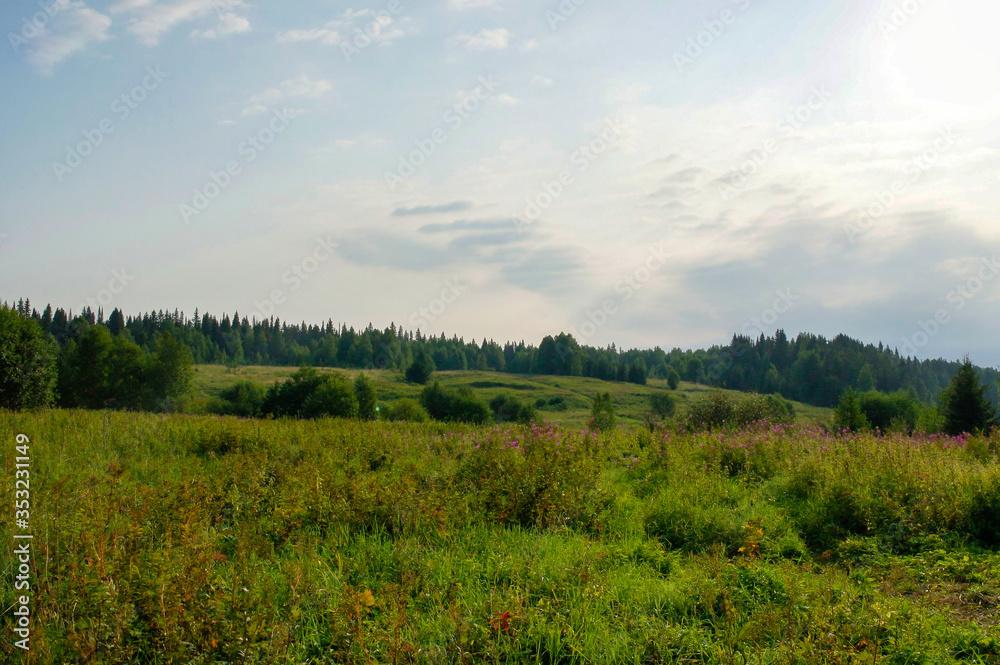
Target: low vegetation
[164,538]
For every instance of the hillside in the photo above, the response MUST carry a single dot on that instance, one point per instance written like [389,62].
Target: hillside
[631,400]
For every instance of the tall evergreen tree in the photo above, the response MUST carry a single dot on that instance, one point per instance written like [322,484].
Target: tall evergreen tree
[965,405]
[421,369]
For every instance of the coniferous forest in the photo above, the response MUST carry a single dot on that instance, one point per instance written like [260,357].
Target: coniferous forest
[808,368]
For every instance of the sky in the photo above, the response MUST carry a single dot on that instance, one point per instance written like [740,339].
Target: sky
[644,173]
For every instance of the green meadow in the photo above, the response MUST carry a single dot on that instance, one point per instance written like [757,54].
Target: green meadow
[202,539]
[573,395]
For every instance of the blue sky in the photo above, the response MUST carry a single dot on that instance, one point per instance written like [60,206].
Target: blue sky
[643,173]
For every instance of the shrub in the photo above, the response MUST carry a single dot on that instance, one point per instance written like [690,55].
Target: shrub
[455,405]
[718,410]
[406,410]
[364,391]
[662,405]
[848,415]
[333,398]
[244,399]
[602,413]
[764,408]
[508,409]
[896,412]
[714,410]
[288,399]
[221,439]
[533,476]
[673,379]
[984,515]
[554,403]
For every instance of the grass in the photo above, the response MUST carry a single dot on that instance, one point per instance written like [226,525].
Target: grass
[193,539]
[630,400]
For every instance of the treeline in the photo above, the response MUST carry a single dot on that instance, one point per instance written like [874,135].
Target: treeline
[91,369]
[808,368]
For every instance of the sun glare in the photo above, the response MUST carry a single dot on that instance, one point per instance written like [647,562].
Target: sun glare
[945,52]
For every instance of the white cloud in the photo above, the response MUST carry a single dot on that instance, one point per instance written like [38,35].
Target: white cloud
[528,45]
[508,99]
[379,28]
[484,40]
[229,24]
[152,19]
[301,87]
[73,28]
[541,82]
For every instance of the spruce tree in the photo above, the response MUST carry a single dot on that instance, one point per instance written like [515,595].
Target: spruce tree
[964,404]
[421,369]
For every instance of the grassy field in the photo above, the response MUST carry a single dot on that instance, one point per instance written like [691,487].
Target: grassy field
[631,401]
[198,539]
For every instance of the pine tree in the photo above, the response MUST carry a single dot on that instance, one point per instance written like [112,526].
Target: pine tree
[965,406]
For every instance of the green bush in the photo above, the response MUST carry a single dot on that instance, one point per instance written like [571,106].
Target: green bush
[673,379]
[662,404]
[984,515]
[244,399]
[719,410]
[406,410]
[533,476]
[333,398]
[287,399]
[602,413]
[455,405]
[508,409]
[364,391]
